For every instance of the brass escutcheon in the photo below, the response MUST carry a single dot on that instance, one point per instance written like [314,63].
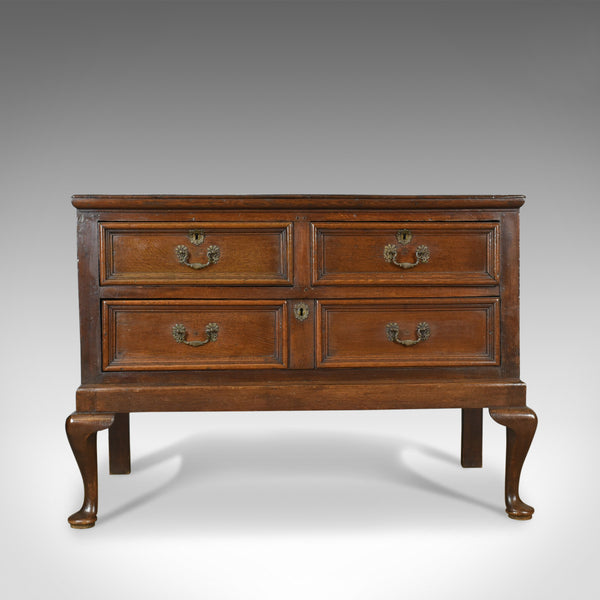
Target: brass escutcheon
[196,236]
[301,311]
[404,236]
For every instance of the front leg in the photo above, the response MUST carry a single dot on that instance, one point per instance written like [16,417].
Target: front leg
[81,431]
[520,423]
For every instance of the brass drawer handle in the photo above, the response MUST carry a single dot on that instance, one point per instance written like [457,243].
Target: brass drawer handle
[211,330]
[421,254]
[423,332]
[213,253]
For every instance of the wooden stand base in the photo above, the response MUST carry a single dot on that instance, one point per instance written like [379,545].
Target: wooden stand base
[82,427]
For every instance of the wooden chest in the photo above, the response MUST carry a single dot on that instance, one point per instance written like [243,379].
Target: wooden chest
[220,303]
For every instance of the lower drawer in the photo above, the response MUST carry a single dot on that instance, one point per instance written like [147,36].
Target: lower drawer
[193,334]
[394,333]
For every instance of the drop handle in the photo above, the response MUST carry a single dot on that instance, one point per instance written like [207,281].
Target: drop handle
[390,252]
[213,253]
[392,331]
[180,335]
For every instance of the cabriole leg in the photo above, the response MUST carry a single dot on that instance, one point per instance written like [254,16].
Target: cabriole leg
[119,458]
[471,437]
[81,431]
[520,423]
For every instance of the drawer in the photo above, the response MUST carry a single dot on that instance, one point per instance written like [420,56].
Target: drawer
[209,253]
[448,253]
[193,334]
[395,333]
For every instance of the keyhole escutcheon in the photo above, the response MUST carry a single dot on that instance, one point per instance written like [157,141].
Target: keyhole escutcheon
[404,236]
[301,311]
[196,236]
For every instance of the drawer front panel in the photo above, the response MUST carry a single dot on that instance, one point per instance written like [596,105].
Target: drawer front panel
[192,253]
[405,253]
[188,334]
[395,333]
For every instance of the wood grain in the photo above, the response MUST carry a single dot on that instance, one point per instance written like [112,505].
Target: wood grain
[118,445]
[138,334]
[520,423]
[353,253]
[471,437]
[304,393]
[353,333]
[82,431]
[293,201]
[138,253]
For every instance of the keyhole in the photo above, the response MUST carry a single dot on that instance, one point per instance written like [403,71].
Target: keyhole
[301,311]
[404,236]
[196,236]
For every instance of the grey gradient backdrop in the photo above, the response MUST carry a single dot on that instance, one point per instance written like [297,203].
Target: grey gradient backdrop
[330,97]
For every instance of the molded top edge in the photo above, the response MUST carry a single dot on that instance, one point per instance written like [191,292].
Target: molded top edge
[293,201]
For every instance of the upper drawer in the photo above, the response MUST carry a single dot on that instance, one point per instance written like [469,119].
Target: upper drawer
[210,253]
[448,253]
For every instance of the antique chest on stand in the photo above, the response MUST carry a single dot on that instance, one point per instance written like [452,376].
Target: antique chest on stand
[246,303]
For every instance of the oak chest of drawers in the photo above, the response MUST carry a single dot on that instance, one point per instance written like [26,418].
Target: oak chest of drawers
[221,303]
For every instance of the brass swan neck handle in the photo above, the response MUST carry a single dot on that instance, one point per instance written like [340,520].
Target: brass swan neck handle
[213,253]
[391,251]
[180,334]
[423,333]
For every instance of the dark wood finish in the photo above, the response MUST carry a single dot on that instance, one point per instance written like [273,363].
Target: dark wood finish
[89,315]
[520,423]
[134,253]
[509,308]
[295,202]
[353,333]
[138,334]
[304,393]
[118,445]
[278,251]
[266,293]
[81,432]
[471,437]
[353,253]
[302,347]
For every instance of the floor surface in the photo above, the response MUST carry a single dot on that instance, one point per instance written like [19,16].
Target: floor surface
[300,505]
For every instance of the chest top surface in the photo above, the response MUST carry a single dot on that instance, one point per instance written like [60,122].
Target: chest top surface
[290,201]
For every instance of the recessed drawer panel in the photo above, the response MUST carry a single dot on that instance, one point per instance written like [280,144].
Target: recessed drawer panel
[192,253]
[190,334]
[447,253]
[396,333]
